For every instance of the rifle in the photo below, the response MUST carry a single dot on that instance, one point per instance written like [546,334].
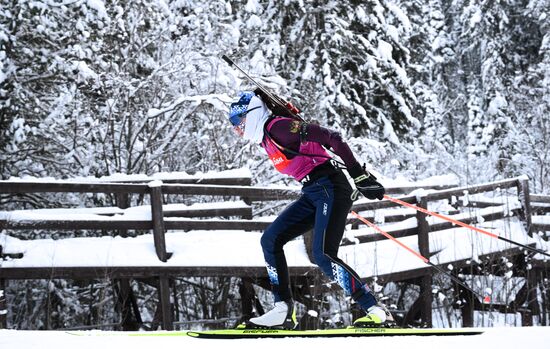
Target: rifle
[277,104]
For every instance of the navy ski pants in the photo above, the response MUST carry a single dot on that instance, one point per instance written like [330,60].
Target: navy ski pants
[323,206]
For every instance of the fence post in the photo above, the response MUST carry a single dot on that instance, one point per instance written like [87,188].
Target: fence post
[160,247]
[126,299]
[531,299]
[165,304]
[3,305]
[523,191]
[424,249]
[158,220]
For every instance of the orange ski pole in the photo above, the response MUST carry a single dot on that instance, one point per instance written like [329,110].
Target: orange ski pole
[462,224]
[486,299]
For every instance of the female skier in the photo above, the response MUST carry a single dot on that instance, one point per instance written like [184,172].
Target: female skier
[297,149]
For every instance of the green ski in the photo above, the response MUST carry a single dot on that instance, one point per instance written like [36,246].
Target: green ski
[343,332]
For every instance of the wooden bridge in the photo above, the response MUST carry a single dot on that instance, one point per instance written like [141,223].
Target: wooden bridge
[520,211]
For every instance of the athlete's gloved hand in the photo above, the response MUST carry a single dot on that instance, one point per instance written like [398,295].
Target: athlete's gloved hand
[366,183]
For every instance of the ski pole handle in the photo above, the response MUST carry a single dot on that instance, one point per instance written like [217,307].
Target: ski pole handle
[228,60]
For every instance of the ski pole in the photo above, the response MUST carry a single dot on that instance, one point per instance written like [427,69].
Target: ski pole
[462,224]
[486,299]
[276,99]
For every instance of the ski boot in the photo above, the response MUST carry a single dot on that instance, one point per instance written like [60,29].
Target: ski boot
[282,316]
[377,316]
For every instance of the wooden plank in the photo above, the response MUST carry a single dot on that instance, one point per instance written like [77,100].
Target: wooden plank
[70,187]
[446,194]
[218,224]
[158,222]
[252,193]
[423,229]
[394,218]
[539,209]
[100,273]
[125,300]
[76,225]
[402,275]
[479,204]
[246,181]
[168,211]
[426,299]
[540,198]
[540,227]
[209,212]
[213,224]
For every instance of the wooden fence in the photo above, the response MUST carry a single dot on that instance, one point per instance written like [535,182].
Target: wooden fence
[240,187]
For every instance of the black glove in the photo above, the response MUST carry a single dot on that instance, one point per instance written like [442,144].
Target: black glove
[365,183]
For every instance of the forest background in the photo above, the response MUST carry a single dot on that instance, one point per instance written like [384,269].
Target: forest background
[417,88]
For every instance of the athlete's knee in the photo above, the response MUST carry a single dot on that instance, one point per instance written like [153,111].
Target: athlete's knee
[271,241]
[267,241]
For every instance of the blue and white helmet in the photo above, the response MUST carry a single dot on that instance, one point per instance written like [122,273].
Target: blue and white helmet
[251,108]
[238,110]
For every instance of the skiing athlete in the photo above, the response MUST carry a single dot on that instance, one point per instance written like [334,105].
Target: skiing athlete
[297,149]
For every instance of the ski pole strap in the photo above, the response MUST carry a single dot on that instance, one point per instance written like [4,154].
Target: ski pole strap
[362,177]
[228,60]
[462,224]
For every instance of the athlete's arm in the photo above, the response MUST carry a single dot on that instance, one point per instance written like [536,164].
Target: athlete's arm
[332,140]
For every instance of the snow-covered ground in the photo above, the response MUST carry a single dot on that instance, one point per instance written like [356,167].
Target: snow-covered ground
[501,338]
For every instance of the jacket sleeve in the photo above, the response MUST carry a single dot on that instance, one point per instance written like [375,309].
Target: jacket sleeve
[332,140]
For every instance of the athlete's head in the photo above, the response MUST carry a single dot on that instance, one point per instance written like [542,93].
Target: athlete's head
[248,116]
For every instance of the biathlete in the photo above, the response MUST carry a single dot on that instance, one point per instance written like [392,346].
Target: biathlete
[297,149]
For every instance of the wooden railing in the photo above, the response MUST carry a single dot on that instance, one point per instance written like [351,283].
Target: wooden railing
[160,221]
[240,188]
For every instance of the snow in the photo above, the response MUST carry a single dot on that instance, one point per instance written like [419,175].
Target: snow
[137,213]
[84,70]
[98,6]
[496,104]
[155,184]
[540,220]
[500,337]
[385,50]
[189,249]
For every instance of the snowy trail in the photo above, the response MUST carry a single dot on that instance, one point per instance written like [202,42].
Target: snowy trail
[502,337]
